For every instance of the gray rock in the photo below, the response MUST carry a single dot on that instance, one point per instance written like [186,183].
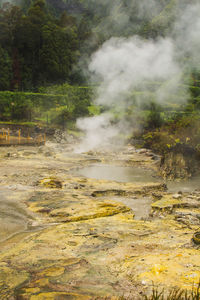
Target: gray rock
[29,152]
[143,151]
[188,220]
[177,196]
[48,153]
[41,149]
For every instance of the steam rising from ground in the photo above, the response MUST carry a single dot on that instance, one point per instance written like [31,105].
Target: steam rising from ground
[123,65]
[187,34]
[126,64]
[8,1]
[119,15]
[97,127]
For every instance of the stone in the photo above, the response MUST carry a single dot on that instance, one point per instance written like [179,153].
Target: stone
[41,149]
[143,151]
[51,183]
[97,210]
[29,152]
[48,153]
[166,204]
[59,295]
[177,196]
[188,220]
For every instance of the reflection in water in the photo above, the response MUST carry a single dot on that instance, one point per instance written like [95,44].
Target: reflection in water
[118,173]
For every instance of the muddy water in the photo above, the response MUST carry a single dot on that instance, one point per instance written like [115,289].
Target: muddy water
[188,185]
[137,174]
[141,206]
[118,173]
[14,216]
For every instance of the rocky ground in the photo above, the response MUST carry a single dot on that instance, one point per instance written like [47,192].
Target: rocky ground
[64,236]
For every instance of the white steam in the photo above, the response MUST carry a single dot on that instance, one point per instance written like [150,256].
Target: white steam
[119,15]
[98,131]
[123,65]
[187,34]
[8,1]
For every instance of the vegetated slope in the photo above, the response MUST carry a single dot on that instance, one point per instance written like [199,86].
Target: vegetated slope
[113,18]
[42,41]
[71,6]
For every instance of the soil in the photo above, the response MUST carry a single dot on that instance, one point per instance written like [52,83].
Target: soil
[70,237]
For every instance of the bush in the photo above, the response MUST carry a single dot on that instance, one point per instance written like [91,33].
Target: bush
[153,118]
[67,102]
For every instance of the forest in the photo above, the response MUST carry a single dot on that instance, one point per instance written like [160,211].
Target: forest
[45,50]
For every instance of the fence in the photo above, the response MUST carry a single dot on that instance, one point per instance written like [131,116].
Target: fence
[8,139]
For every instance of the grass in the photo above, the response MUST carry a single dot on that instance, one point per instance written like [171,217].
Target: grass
[30,124]
[175,294]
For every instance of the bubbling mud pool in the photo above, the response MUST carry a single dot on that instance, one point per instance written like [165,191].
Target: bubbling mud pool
[137,174]
[141,206]
[189,185]
[118,173]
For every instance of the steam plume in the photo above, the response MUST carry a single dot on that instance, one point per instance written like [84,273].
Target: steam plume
[123,65]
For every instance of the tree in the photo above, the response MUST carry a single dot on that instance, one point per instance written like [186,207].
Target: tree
[5,69]
[66,20]
[58,52]
[10,16]
[37,12]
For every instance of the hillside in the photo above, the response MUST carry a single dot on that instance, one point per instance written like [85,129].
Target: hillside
[42,42]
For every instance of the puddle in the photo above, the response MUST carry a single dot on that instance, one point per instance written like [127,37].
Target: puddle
[118,173]
[140,206]
[188,185]
[136,174]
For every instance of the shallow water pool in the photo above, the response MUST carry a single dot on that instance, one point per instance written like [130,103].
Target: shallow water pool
[141,206]
[188,185]
[118,173]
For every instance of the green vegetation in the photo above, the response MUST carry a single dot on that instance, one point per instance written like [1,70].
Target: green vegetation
[36,48]
[66,104]
[41,43]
